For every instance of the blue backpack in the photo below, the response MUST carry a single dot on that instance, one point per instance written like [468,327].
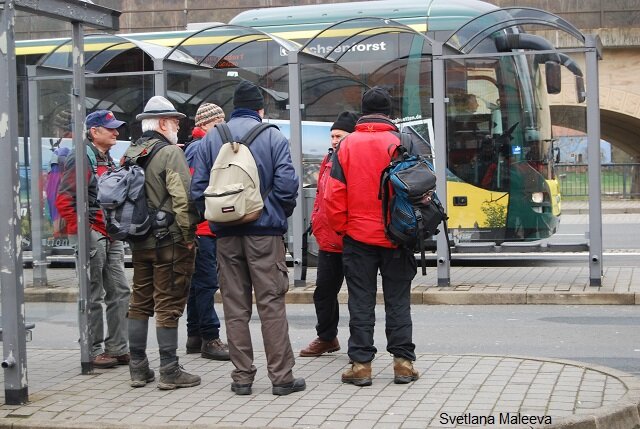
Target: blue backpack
[411,210]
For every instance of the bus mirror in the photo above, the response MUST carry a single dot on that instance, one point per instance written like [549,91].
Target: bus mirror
[553,77]
[580,91]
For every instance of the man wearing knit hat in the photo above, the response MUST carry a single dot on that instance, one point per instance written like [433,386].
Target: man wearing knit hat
[251,256]
[203,324]
[355,213]
[330,273]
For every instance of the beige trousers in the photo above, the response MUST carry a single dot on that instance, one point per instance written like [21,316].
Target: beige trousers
[255,264]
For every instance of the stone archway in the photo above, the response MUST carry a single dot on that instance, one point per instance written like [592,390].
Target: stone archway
[619,122]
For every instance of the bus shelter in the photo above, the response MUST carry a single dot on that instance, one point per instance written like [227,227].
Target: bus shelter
[479,98]
[521,143]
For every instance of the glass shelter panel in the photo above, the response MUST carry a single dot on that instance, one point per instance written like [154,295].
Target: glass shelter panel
[502,154]
[124,95]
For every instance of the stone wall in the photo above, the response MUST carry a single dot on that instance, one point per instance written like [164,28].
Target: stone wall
[616,21]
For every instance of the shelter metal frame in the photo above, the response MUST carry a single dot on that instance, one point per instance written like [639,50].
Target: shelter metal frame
[78,13]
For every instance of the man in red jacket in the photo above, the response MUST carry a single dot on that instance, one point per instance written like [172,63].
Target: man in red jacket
[108,284]
[355,211]
[330,272]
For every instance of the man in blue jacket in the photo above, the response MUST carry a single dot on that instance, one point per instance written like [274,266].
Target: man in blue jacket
[251,256]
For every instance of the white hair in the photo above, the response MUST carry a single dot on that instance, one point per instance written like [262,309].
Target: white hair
[150,124]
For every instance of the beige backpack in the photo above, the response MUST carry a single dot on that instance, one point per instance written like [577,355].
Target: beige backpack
[233,195]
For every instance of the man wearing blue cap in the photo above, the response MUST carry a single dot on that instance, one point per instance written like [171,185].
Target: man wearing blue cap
[108,282]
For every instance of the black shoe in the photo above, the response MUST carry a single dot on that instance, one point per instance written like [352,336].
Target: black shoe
[297,385]
[194,344]
[241,389]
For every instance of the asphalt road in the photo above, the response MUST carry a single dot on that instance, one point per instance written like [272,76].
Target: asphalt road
[604,335]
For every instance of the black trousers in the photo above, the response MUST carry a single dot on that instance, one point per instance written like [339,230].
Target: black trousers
[397,268]
[325,297]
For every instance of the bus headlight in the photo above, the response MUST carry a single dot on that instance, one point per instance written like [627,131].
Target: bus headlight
[537,197]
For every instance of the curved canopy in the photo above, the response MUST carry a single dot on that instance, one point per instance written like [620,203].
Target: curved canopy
[469,36]
[214,46]
[346,34]
[102,49]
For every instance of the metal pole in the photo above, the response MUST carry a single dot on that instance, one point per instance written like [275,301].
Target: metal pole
[82,260]
[38,255]
[160,78]
[593,151]
[295,138]
[16,390]
[440,149]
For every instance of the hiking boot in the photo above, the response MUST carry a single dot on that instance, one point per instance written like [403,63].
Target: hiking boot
[194,344]
[103,360]
[216,350]
[359,374]
[123,359]
[319,347]
[403,371]
[173,376]
[297,385]
[241,389]
[140,372]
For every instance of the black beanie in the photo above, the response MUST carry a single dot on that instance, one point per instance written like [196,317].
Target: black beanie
[248,96]
[346,122]
[376,100]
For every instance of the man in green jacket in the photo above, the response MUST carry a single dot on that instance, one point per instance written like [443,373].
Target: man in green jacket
[163,261]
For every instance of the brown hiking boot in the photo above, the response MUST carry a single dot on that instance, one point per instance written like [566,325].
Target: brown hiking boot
[123,359]
[103,360]
[359,374]
[140,372]
[173,376]
[216,350]
[403,371]
[319,347]
[194,344]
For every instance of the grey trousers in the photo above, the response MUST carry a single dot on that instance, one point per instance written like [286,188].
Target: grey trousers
[108,286]
[255,263]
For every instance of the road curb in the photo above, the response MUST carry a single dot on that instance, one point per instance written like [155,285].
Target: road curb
[420,295]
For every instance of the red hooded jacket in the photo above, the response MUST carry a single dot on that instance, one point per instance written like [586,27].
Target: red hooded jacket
[351,198]
[326,237]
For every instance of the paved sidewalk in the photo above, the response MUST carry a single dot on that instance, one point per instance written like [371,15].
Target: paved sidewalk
[617,206]
[453,391]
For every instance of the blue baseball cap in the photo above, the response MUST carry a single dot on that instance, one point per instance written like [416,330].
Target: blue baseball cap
[103,118]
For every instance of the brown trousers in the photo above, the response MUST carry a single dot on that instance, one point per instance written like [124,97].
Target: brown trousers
[255,263]
[161,279]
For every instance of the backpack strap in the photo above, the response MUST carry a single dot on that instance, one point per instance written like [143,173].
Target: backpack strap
[144,161]
[225,132]
[255,132]
[93,162]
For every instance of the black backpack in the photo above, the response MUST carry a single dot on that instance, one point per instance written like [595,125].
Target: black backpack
[411,209]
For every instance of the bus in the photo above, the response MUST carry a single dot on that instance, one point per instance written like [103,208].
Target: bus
[501,183]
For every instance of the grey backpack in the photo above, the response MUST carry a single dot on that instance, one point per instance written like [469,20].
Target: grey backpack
[122,196]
